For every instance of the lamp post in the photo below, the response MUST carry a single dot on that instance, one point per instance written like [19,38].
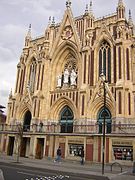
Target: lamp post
[102,76]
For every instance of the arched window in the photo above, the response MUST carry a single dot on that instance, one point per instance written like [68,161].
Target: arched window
[105,60]
[108,120]
[32,75]
[66,120]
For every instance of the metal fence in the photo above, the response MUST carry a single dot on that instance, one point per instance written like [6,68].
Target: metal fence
[76,129]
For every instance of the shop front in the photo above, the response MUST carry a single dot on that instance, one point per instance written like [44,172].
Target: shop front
[74,148]
[122,150]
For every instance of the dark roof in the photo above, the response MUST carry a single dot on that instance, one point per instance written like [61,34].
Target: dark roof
[1,107]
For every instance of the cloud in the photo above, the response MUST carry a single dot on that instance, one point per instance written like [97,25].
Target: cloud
[7,79]
[10,33]
[4,93]
[37,6]
[6,54]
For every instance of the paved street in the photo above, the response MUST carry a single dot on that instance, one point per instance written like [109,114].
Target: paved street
[43,169]
[19,172]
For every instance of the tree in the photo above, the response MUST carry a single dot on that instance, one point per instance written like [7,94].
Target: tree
[18,140]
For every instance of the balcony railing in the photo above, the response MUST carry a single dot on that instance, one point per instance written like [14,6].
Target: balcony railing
[76,129]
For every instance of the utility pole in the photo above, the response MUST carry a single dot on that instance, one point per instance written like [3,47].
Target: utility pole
[104,121]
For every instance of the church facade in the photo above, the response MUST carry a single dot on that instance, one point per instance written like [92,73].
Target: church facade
[71,82]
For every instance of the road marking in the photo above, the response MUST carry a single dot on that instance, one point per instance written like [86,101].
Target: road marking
[43,177]
[29,174]
[123,173]
[119,174]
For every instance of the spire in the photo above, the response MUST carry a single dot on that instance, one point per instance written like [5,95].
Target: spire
[29,31]
[28,37]
[53,22]
[120,10]
[86,10]
[10,94]
[130,18]
[68,3]
[90,7]
[120,3]
[49,21]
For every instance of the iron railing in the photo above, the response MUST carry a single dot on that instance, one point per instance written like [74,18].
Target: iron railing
[76,129]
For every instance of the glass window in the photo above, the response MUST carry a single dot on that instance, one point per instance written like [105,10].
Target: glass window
[123,153]
[32,75]
[108,120]
[105,60]
[75,149]
[66,120]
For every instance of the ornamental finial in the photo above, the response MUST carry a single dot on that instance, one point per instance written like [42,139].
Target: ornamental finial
[130,18]
[90,7]
[29,31]
[86,10]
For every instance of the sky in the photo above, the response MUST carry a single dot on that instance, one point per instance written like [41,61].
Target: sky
[15,17]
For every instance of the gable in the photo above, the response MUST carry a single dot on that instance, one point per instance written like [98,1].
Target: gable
[67,32]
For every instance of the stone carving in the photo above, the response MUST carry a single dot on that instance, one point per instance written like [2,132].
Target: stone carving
[66,76]
[73,77]
[67,33]
[59,81]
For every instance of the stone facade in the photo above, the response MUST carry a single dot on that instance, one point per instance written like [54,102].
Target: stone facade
[59,94]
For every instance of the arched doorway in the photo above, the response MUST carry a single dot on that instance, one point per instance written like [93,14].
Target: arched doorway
[27,121]
[108,120]
[66,120]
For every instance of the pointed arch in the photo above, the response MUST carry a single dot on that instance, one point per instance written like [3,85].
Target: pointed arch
[104,59]
[27,120]
[31,73]
[60,58]
[108,119]
[64,46]
[67,20]
[97,103]
[103,37]
[30,58]
[58,106]
[24,106]
[66,119]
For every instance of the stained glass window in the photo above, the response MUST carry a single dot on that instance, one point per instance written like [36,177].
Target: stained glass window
[105,60]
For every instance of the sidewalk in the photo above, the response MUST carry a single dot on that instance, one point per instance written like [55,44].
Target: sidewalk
[74,167]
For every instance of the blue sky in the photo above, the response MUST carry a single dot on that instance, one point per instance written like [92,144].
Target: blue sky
[15,17]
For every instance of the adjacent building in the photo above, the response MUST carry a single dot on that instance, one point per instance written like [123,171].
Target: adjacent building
[2,119]
[2,115]
[79,72]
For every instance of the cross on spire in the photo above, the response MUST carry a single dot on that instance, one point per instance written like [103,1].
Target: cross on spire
[68,3]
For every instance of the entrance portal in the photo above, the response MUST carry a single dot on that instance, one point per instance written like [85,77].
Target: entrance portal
[27,121]
[108,120]
[40,148]
[66,120]
[25,146]
[10,146]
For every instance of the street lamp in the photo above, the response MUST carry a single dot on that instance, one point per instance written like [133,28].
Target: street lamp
[103,79]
